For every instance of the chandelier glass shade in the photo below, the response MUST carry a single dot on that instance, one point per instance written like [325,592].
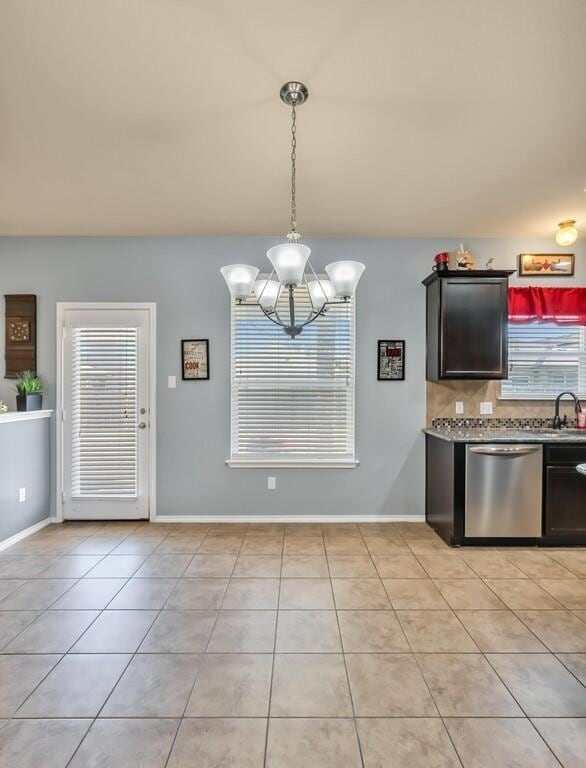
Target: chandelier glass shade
[320,292]
[290,260]
[267,293]
[240,279]
[345,276]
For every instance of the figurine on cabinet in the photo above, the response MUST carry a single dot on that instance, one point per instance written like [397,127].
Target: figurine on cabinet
[464,259]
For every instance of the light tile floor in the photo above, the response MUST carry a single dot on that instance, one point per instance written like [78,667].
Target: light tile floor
[318,646]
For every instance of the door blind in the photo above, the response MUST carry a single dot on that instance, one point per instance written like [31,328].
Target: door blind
[544,360]
[293,398]
[104,412]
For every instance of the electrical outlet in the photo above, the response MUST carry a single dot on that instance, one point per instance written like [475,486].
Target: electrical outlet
[459,407]
[21,495]
[272,483]
[172,382]
[486,408]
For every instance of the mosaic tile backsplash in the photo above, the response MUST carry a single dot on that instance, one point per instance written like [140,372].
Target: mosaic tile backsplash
[496,423]
[442,397]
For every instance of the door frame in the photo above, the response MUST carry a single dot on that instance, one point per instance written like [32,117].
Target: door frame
[151,308]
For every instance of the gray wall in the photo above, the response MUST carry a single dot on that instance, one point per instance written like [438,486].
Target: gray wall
[181,276]
[24,463]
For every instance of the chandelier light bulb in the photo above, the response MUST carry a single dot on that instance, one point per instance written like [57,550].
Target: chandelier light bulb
[567,233]
[289,260]
[240,278]
[267,293]
[320,292]
[345,276]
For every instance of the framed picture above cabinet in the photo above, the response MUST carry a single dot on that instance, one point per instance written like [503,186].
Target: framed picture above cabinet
[20,334]
[546,264]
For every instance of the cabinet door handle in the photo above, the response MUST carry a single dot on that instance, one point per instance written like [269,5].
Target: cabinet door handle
[581,468]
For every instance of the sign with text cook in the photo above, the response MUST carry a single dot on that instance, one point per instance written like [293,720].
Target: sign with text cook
[195,359]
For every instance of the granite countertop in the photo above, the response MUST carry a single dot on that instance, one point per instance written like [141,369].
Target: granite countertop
[509,435]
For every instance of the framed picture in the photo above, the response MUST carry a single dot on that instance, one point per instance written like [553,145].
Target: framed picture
[546,265]
[391,360]
[195,359]
[20,334]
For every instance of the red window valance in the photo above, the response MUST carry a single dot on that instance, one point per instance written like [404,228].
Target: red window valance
[549,305]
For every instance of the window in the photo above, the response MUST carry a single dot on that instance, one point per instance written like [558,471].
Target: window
[292,399]
[544,360]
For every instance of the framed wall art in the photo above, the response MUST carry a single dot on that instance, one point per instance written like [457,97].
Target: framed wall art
[195,359]
[546,265]
[21,334]
[391,360]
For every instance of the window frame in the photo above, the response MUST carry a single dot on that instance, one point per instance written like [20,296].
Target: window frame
[302,462]
[514,397]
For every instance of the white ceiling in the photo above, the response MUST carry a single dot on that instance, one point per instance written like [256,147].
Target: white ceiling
[425,117]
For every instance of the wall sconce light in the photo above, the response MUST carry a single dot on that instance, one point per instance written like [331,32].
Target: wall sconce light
[567,233]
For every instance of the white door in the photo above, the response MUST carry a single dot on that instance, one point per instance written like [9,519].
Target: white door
[105,413]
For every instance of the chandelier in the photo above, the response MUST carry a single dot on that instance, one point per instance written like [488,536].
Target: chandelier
[291,267]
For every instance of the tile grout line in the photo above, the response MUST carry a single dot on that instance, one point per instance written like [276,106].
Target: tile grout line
[505,608]
[123,671]
[526,716]
[62,655]
[565,666]
[274,654]
[181,719]
[429,690]
[354,719]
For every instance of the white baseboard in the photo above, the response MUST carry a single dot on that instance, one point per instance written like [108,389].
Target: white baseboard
[288,519]
[27,532]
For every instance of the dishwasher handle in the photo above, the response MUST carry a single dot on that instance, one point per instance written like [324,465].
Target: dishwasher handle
[503,451]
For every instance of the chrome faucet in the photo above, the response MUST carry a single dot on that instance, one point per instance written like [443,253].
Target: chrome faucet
[558,422]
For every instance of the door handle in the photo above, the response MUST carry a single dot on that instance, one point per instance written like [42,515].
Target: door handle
[142,425]
[490,451]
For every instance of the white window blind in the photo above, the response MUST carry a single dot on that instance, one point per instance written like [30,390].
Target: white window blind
[293,399]
[544,360]
[104,412]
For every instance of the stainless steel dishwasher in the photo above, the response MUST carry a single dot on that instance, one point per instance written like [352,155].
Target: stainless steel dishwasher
[503,490]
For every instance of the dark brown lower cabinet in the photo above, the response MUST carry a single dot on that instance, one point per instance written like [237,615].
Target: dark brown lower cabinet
[565,492]
[564,495]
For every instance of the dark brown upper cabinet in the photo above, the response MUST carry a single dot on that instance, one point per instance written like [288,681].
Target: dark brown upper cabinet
[467,318]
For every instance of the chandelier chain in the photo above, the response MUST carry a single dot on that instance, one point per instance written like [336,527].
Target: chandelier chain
[293,169]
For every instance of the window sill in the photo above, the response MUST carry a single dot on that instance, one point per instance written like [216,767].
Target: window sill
[536,398]
[293,463]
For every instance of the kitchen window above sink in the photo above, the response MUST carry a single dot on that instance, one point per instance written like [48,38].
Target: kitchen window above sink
[546,343]
[544,360]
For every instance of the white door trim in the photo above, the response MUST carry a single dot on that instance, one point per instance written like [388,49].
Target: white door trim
[151,308]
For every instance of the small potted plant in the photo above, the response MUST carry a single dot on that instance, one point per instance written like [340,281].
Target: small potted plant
[30,392]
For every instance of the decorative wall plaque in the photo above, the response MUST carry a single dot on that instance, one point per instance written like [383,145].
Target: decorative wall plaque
[391,360]
[20,334]
[546,264]
[195,360]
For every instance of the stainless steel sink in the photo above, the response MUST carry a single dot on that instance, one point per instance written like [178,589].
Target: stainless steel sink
[558,433]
